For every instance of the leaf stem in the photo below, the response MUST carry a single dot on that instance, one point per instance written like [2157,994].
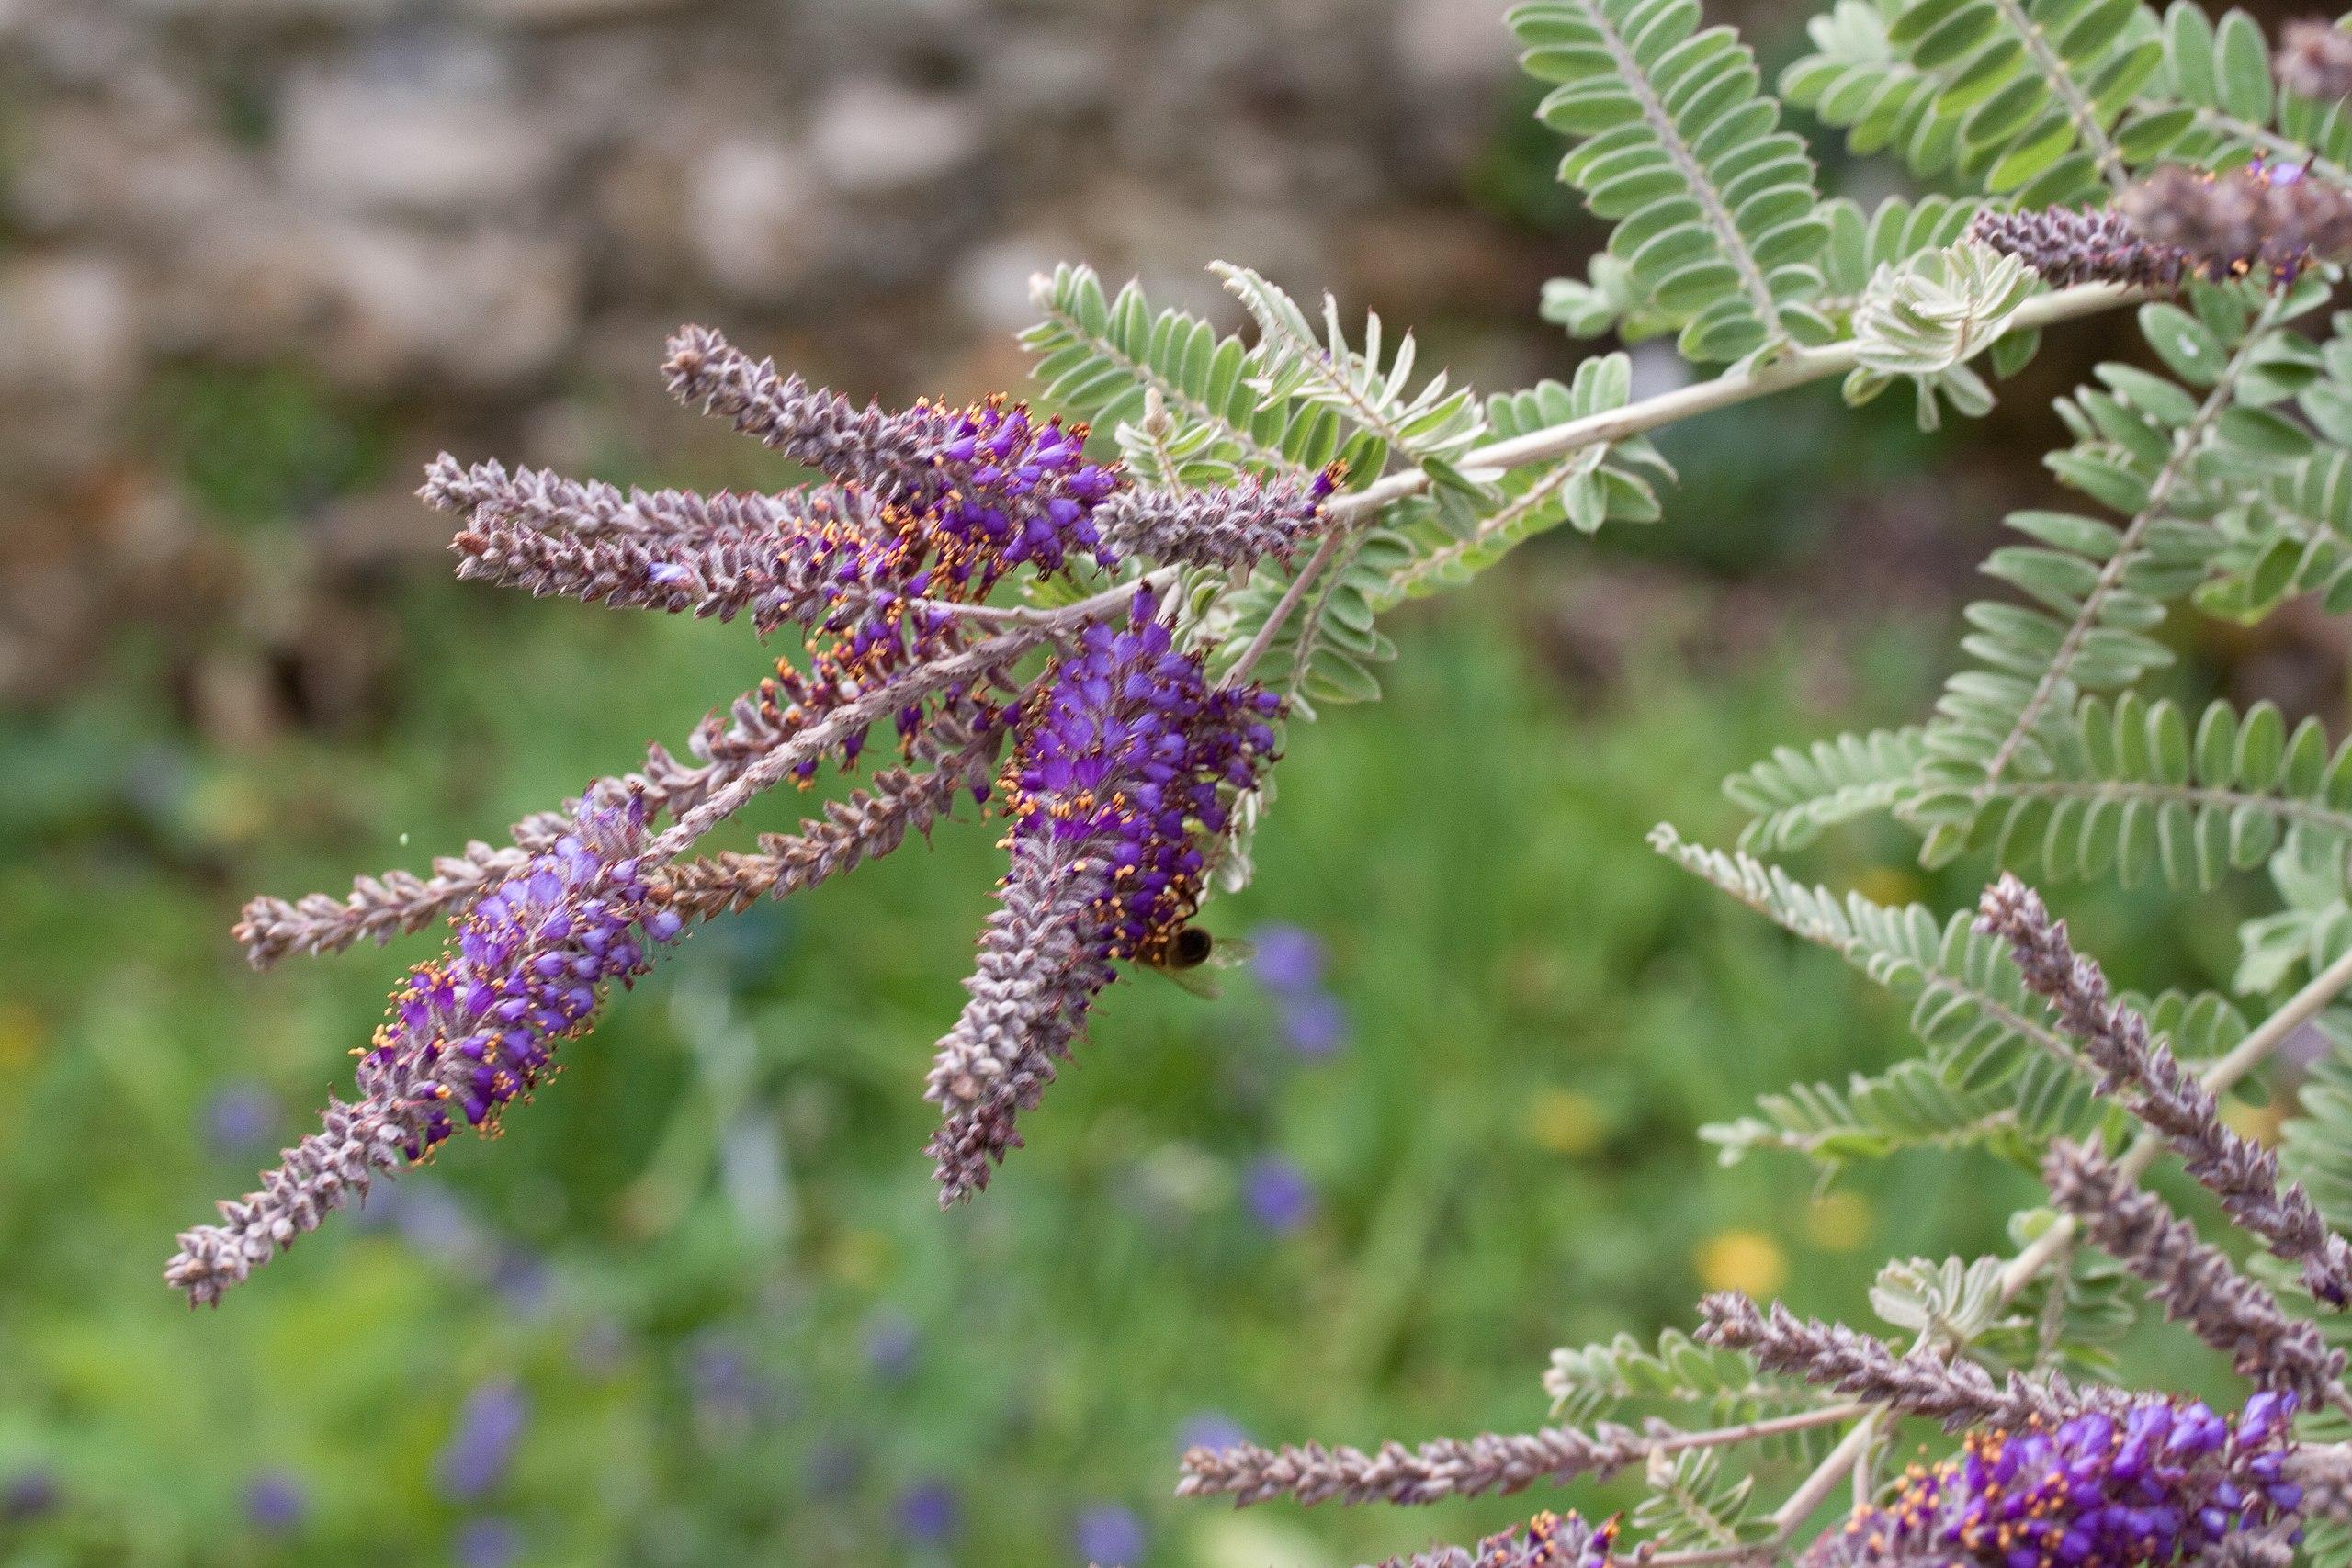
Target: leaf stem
[1804,366]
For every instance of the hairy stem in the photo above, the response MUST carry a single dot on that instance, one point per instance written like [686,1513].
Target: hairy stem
[1799,369]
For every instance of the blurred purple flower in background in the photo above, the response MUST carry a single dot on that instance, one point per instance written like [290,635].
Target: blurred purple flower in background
[1291,964]
[26,1496]
[1277,1194]
[239,1118]
[276,1503]
[1210,1430]
[832,1467]
[1314,1025]
[1290,959]
[522,1281]
[431,1220]
[891,1345]
[486,1543]
[731,1389]
[928,1512]
[1109,1536]
[490,1423]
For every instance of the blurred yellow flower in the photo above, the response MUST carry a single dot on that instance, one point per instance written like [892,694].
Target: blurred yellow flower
[1564,1122]
[859,1257]
[2261,1123]
[1889,885]
[1743,1260]
[20,1038]
[1837,1222]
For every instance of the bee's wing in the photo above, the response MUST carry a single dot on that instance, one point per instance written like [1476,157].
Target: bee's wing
[1231,953]
[1192,980]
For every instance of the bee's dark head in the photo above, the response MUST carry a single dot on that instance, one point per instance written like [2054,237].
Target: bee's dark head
[1189,947]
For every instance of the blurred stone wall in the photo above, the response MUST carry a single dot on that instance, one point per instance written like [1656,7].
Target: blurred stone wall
[475,220]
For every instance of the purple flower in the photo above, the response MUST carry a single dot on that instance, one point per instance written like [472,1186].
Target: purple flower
[890,1345]
[832,1467]
[1109,1536]
[2154,1483]
[1277,1194]
[1314,1026]
[1210,1430]
[26,1496]
[473,1033]
[1290,958]
[276,1502]
[729,1388]
[468,1034]
[522,1281]
[238,1117]
[1125,759]
[486,1543]
[928,1512]
[1017,491]
[490,1425]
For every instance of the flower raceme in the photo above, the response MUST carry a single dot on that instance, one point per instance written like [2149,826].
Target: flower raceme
[1548,1541]
[2160,1481]
[1125,757]
[468,1033]
[2260,219]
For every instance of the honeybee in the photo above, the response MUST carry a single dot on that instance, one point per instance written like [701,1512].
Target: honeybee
[1179,956]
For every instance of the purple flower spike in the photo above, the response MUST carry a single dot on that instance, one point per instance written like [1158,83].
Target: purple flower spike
[2159,1482]
[467,1035]
[1126,757]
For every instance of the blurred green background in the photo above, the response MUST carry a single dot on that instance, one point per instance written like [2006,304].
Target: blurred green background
[697,1304]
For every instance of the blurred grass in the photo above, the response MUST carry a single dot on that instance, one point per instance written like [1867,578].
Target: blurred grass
[702,1250]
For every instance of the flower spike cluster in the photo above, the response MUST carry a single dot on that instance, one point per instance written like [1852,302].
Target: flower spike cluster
[2265,219]
[1547,1541]
[2155,1088]
[2314,60]
[1125,758]
[2163,1482]
[2196,1282]
[470,1034]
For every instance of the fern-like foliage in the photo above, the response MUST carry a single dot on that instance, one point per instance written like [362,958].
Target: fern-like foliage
[2315,1148]
[2218,106]
[1100,356]
[1624,1380]
[2017,98]
[1793,795]
[1718,222]
[2166,459]
[1924,318]
[2050,104]
[1997,1072]
[2130,792]
[1913,1105]
[1420,549]
[2293,533]
[1970,1005]
[1369,387]
[1694,1506]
